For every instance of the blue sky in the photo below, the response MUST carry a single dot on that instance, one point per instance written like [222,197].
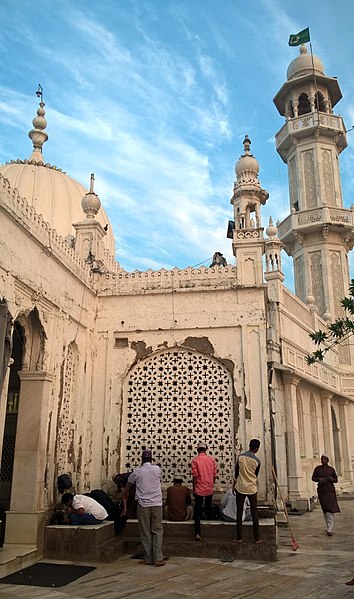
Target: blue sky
[155,97]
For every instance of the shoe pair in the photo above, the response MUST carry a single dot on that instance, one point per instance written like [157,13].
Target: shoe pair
[350,583]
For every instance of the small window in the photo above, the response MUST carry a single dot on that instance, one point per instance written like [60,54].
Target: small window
[120,342]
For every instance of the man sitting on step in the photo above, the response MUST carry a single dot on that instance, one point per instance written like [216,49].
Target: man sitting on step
[83,509]
[178,501]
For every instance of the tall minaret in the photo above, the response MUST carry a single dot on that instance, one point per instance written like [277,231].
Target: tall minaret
[319,231]
[247,235]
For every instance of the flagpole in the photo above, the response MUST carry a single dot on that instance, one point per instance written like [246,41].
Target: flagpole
[314,77]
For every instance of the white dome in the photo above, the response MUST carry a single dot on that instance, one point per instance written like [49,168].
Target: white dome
[302,65]
[55,195]
[247,167]
[247,163]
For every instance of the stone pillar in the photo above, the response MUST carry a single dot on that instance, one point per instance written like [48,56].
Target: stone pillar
[27,508]
[326,398]
[348,473]
[294,461]
[3,404]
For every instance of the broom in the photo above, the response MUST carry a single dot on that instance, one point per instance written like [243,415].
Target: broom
[294,543]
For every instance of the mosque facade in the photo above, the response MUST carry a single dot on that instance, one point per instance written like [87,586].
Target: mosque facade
[105,361]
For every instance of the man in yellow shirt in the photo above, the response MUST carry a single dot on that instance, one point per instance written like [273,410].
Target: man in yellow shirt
[245,485]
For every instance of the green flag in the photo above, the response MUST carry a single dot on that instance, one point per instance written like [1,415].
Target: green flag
[300,38]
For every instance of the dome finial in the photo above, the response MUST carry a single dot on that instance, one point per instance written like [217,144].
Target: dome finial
[247,145]
[92,183]
[38,135]
[91,203]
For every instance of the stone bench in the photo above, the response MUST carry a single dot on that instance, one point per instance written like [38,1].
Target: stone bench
[81,543]
[99,543]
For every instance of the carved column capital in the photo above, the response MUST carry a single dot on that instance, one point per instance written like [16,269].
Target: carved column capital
[290,378]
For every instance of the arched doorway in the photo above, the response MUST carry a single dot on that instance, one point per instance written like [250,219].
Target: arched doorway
[29,475]
[10,428]
[173,399]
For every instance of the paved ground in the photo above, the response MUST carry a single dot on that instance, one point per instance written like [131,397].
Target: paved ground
[318,569]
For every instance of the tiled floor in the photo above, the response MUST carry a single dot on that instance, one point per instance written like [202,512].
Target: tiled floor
[318,569]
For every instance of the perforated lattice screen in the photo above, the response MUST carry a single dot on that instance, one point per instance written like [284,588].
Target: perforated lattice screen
[175,399]
[7,459]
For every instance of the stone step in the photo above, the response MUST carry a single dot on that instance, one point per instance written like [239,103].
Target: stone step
[247,550]
[66,542]
[211,530]
[111,550]
[16,557]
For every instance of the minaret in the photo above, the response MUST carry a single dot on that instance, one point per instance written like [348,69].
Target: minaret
[319,231]
[89,232]
[247,235]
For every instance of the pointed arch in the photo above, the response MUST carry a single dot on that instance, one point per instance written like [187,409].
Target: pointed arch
[33,340]
[300,420]
[304,104]
[336,443]
[314,428]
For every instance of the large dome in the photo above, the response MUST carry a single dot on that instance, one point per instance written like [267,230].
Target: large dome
[53,193]
[304,64]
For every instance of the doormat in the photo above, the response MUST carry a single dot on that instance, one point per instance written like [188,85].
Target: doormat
[43,574]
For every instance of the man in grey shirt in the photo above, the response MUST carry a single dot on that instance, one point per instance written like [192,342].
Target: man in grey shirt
[147,479]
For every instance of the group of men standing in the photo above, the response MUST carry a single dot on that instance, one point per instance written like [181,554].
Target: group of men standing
[147,481]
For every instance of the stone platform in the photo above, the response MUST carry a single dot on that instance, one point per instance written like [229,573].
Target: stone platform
[100,544]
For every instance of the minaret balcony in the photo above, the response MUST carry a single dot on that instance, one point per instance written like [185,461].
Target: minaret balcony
[246,235]
[340,220]
[326,125]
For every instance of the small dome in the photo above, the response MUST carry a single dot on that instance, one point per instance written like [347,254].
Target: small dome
[91,203]
[302,65]
[247,167]
[271,230]
[246,163]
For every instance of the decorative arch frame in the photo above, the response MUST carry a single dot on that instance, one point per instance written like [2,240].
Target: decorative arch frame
[172,400]
[300,421]
[314,427]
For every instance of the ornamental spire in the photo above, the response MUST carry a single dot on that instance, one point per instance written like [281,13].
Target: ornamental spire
[38,135]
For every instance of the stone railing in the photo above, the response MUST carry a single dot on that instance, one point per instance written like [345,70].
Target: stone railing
[246,234]
[150,281]
[308,121]
[309,216]
[297,307]
[325,215]
[19,208]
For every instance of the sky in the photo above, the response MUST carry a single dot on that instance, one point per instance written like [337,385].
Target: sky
[155,97]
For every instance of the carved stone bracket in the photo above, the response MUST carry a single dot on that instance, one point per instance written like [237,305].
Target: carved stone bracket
[325,232]
[299,237]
